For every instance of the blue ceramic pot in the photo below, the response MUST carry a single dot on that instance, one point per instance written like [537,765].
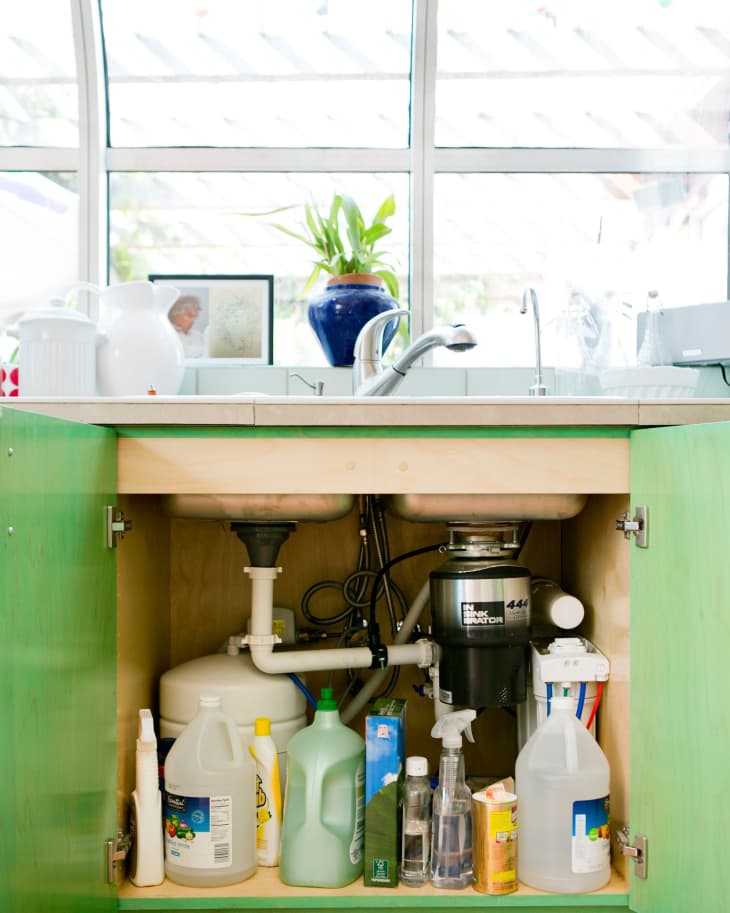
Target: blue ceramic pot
[344,307]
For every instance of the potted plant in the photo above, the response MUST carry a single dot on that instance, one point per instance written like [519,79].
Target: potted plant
[361,283]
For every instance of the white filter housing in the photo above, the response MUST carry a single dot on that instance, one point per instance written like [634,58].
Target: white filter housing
[245,695]
[564,661]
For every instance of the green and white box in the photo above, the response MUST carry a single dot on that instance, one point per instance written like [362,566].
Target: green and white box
[384,770]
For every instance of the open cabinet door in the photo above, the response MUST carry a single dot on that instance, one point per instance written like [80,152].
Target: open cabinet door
[680,668]
[57,672]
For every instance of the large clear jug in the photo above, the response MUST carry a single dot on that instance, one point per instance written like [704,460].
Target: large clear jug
[562,782]
[142,352]
[210,802]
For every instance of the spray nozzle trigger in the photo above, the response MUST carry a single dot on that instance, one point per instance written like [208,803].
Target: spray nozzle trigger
[146,740]
[450,726]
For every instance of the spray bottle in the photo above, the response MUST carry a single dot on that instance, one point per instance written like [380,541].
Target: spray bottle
[147,865]
[451,846]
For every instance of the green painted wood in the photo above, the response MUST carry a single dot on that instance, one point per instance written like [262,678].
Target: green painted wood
[680,655]
[57,674]
[369,431]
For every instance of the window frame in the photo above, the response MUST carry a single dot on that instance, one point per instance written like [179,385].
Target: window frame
[94,160]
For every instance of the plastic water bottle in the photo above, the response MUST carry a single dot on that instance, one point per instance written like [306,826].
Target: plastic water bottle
[323,831]
[562,781]
[416,826]
[210,802]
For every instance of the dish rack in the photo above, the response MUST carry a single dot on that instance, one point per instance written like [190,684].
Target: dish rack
[655,382]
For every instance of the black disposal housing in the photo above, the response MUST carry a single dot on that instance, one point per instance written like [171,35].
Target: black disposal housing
[480,619]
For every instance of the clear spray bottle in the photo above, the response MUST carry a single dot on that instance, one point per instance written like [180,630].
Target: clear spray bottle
[451,836]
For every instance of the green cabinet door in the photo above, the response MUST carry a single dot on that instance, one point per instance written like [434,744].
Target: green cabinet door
[57,665]
[680,669]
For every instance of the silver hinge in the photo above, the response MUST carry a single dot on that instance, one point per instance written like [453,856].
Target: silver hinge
[116,851]
[639,525]
[637,850]
[116,525]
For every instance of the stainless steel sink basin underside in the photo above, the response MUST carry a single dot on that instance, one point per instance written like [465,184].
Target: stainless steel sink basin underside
[465,508]
[264,507]
[474,507]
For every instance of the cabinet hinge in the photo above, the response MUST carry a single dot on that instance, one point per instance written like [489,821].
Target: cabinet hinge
[116,851]
[116,525]
[637,850]
[639,525]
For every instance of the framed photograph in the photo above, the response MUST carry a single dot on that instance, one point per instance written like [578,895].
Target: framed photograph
[223,318]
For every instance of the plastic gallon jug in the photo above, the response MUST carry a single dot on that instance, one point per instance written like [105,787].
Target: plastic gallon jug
[324,806]
[562,783]
[210,802]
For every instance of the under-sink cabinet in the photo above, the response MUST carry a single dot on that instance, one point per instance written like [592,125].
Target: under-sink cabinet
[93,611]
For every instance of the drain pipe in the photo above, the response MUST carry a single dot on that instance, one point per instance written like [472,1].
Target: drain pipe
[261,641]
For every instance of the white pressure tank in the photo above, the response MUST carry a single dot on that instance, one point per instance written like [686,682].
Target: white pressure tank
[246,693]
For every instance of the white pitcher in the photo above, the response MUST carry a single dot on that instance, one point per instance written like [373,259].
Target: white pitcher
[142,352]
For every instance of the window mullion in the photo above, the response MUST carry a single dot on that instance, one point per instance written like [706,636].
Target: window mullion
[92,178]
[422,151]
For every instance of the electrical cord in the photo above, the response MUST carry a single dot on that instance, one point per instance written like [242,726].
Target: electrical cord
[361,589]
[724,375]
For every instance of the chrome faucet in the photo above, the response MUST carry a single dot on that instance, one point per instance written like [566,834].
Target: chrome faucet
[538,388]
[370,378]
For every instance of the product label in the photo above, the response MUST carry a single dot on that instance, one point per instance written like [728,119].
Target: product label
[358,835]
[482,614]
[199,830]
[591,842]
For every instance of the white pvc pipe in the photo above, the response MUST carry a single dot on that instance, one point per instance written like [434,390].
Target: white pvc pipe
[261,641]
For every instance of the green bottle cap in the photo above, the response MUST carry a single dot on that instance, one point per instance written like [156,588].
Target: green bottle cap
[327,700]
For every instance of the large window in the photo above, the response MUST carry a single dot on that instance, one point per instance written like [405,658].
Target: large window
[580,148]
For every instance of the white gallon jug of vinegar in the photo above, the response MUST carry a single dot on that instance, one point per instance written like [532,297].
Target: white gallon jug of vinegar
[323,831]
[210,802]
[562,782]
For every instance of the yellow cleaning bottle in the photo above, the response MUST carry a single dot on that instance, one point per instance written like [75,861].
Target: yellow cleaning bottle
[268,793]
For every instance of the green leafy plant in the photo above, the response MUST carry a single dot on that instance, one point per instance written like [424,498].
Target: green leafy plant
[343,242]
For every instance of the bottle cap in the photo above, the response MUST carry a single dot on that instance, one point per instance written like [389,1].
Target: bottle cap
[262,726]
[416,766]
[210,700]
[327,700]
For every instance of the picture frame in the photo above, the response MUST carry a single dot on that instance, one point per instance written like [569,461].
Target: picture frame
[223,319]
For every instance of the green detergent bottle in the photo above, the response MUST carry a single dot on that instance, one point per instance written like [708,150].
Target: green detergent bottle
[324,806]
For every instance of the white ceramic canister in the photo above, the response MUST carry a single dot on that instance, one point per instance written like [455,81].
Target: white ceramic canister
[58,351]
[142,353]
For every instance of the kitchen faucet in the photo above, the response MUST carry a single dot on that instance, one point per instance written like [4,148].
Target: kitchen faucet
[538,388]
[370,378]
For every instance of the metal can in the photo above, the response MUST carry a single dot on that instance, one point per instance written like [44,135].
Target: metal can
[494,817]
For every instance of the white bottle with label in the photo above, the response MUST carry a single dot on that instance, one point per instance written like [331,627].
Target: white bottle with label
[147,865]
[210,802]
[268,793]
[562,781]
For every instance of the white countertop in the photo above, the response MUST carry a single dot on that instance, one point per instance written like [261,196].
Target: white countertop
[311,411]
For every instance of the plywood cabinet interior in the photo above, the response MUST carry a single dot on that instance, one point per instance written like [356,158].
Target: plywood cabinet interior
[182,591]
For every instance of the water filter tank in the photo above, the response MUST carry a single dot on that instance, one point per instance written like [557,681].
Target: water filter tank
[246,693]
